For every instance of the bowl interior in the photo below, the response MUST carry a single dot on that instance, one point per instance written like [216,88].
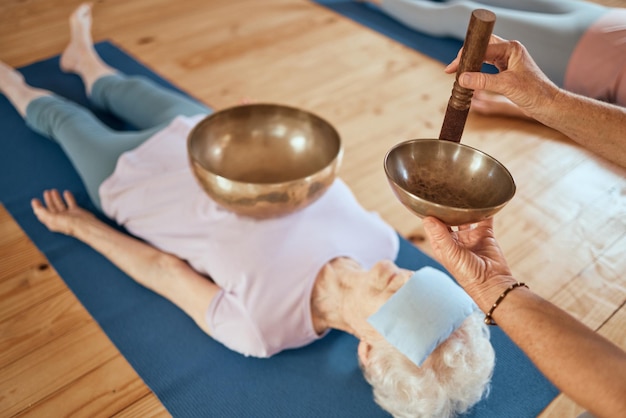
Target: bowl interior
[449,175]
[263,143]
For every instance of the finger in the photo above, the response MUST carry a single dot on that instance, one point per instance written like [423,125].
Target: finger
[454,65]
[474,81]
[446,249]
[40,211]
[69,199]
[49,203]
[486,225]
[500,51]
[437,233]
[468,227]
[477,81]
[36,205]
[495,39]
[57,200]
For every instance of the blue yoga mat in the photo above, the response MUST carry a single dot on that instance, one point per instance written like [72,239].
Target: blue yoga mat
[191,374]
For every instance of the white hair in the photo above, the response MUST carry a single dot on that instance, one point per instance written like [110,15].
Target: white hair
[451,380]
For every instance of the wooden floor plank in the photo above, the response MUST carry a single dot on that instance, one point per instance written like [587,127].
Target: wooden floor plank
[40,375]
[103,392]
[27,289]
[40,325]
[148,406]
[44,371]
[18,257]
[599,291]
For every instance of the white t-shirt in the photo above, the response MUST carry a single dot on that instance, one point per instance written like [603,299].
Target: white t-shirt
[266,268]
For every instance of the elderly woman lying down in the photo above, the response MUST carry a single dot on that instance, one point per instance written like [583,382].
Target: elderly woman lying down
[258,287]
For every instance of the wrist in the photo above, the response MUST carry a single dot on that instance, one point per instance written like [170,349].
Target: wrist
[489,315]
[486,294]
[548,103]
[81,228]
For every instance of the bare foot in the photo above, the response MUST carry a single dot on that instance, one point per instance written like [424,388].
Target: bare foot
[13,86]
[80,57]
[493,104]
[81,43]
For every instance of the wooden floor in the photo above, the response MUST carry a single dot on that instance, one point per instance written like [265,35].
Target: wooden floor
[564,233]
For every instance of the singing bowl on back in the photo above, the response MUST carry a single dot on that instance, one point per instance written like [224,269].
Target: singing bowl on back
[264,160]
[453,182]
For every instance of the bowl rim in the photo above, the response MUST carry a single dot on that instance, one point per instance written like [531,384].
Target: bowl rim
[334,162]
[391,179]
[334,165]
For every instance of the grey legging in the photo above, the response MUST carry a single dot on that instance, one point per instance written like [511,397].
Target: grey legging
[550,29]
[92,147]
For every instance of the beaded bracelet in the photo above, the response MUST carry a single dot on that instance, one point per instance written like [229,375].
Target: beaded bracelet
[488,319]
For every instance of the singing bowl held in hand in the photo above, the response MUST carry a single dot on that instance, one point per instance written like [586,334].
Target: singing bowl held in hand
[453,182]
[264,160]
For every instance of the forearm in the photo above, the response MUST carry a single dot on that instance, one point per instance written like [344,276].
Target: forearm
[596,125]
[581,363]
[137,259]
[160,272]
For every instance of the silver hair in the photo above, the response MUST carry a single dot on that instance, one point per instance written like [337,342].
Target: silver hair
[451,380]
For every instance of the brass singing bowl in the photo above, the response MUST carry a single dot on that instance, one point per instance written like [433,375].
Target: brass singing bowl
[453,182]
[264,160]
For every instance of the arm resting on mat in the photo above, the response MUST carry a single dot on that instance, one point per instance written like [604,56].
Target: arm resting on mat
[581,363]
[161,272]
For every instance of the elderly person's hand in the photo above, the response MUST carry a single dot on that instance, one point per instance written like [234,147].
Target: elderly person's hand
[473,256]
[519,77]
[60,214]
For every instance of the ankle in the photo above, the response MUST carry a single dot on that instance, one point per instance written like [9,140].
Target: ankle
[21,96]
[90,78]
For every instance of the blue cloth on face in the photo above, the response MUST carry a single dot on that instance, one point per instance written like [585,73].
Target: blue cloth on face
[423,313]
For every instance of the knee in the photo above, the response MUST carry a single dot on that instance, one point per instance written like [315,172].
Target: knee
[56,118]
[44,113]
